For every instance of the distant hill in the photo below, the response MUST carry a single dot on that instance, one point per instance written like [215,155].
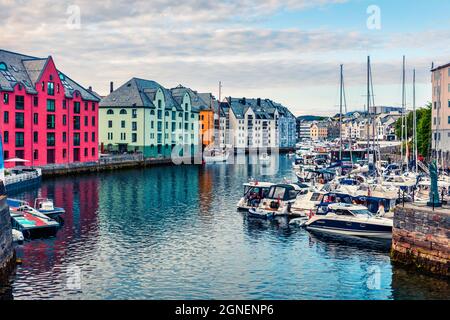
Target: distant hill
[311,118]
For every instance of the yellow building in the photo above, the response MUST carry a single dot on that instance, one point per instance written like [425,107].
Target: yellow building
[318,131]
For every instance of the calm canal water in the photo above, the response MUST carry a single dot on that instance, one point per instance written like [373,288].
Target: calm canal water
[174,233]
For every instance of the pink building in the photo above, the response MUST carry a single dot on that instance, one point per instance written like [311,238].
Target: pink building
[45,117]
[440,121]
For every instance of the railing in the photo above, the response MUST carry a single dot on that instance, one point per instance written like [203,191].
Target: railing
[121,158]
[23,176]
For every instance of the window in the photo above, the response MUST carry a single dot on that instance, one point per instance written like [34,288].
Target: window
[123,111]
[122,124]
[159,103]
[76,139]
[64,153]
[35,101]
[174,115]
[134,125]
[93,152]
[110,111]
[19,120]
[152,124]
[185,106]
[64,104]
[110,135]
[448,120]
[152,112]
[134,137]
[86,137]
[6,98]
[76,107]
[123,136]
[50,121]
[57,88]
[19,139]
[51,105]
[6,155]
[64,120]
[86,121]
[159,126]
[86,106]
[85,152]
[50,139]
[93,136]
[110,124]
[6,137]
[43,86]
[159,114]
[93,106]
[20,102]
[76,123]
[36,154]
[35,118]
[134,113]
[51,88]
[64,137]
[93,121]
[6,117]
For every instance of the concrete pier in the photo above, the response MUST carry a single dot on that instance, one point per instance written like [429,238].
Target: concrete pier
[7,256]
[420,238]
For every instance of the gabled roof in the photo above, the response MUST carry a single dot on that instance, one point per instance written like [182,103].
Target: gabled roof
[135,92]
[27,70]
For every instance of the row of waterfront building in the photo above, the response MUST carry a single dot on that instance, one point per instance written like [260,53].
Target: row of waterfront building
[48,118]
[355,126]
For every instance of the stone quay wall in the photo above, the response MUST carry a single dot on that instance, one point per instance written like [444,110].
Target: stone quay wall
[420,238]
[7,256]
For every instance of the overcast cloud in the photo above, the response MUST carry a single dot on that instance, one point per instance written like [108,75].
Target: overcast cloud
[199,42]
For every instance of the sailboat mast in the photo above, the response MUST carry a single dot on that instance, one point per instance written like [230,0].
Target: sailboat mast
[416,158]
[368,110]
[340,112]
[405,113]
[218,110]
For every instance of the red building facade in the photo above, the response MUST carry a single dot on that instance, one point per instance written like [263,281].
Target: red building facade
[45,117]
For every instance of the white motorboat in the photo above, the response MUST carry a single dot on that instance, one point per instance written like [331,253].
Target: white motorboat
[264,158]
[278,202]
[254,192]
[216,156]
[17,236]
[307,203]
[351,220]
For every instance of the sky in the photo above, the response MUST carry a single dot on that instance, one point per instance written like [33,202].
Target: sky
[288,51]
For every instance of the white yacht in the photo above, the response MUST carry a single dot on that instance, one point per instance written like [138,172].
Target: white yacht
[254,192]
[351,220]
[278,202]
[216,155]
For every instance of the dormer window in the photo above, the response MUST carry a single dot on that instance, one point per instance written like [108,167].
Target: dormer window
[110,111]
[4,71]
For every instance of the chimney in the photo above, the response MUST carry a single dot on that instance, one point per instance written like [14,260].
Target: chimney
[258,102]
[111,87]
[244,101]
[90,88]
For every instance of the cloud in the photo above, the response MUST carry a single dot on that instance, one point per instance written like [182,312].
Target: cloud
[198,42]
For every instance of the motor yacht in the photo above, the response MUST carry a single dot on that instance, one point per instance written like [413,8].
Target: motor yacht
[351,220]
[254,192]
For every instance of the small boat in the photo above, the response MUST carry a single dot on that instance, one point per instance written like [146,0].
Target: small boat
[46,206]
[254,192]
[278,202]
[32,223]
[17,236]
[216,156]
[351,220]
[43,205]
[264,158]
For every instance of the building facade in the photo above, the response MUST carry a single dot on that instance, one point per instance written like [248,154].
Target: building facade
[46,117]
[440,112]
[143,116]
[319,131]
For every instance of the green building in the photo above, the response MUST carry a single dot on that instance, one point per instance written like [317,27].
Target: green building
[143,116]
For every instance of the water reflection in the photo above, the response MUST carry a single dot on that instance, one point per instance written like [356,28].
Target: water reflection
[174,233]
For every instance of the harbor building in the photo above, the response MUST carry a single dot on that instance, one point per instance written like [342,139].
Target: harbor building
[256,123]
[319,131]
[143,116]
[440,112]
[45,116]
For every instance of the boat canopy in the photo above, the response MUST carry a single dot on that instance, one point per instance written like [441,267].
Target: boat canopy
[283,192]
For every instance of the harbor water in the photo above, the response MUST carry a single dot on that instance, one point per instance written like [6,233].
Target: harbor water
[174,233]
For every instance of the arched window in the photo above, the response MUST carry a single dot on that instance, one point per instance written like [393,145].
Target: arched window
[3,66]
[152,112]
[110,111]
[180,114]
[123,111]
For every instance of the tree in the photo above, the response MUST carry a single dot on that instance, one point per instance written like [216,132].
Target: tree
[423,129]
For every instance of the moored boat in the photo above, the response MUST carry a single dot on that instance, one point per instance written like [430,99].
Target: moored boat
[351,220]
[254,192]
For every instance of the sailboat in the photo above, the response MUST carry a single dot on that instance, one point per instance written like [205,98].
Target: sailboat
[218,153]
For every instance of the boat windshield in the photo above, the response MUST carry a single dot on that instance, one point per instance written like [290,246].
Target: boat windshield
[364,212]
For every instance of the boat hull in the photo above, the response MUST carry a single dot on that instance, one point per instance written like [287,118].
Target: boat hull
[357,229]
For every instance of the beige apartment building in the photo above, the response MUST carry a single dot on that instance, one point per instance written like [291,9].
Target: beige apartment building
[440,120]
